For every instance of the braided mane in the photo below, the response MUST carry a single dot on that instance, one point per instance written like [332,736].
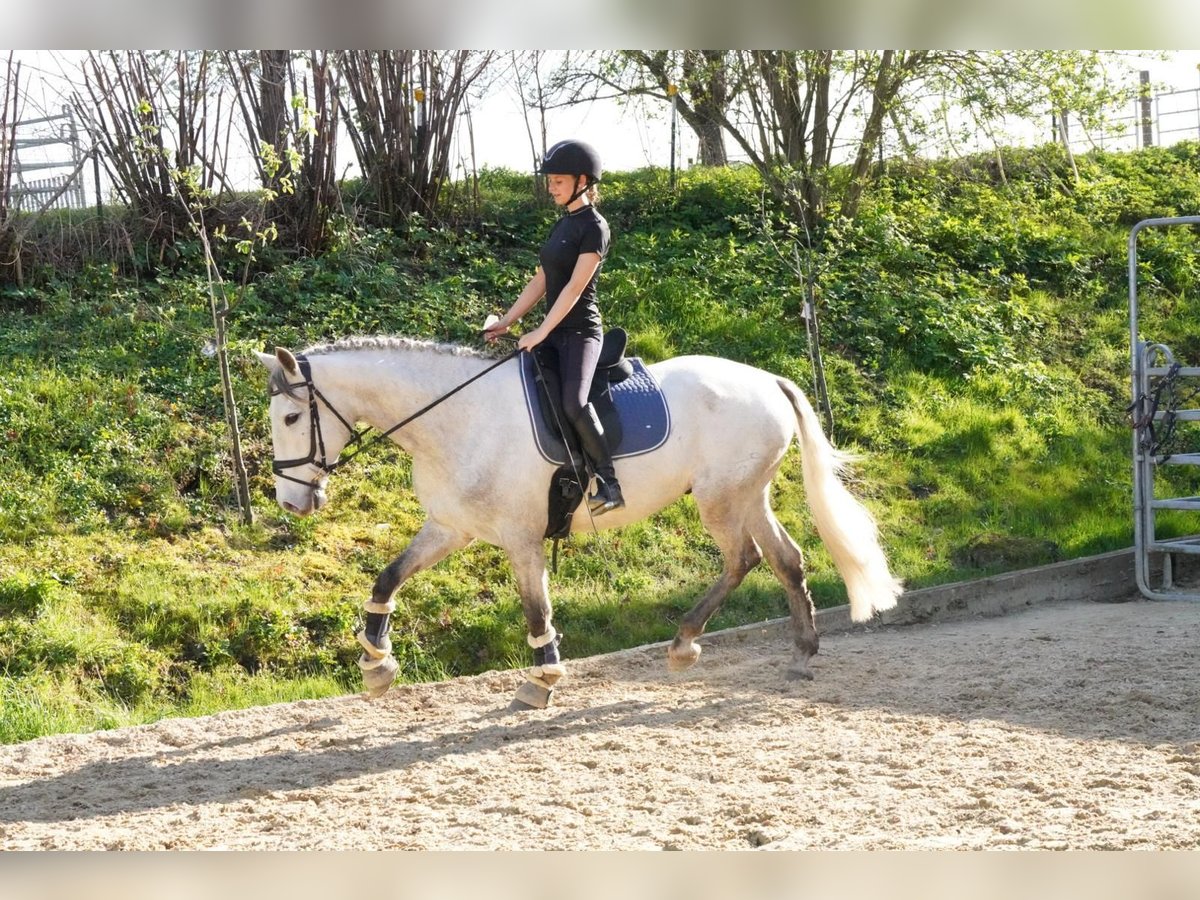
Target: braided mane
[279,382]
[384,342]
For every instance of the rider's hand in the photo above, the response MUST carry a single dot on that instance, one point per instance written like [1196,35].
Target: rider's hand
[530,339]
[495,332]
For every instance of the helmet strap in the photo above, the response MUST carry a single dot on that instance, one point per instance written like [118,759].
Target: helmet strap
[579,193]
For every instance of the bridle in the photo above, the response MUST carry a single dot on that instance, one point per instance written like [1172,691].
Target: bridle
[316,439]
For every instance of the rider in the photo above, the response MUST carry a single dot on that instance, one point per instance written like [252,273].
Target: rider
[570,264]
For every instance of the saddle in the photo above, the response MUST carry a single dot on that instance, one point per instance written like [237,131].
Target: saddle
[611,368]
[628,401]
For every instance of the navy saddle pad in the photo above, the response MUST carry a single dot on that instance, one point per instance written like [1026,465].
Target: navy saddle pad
[639,402]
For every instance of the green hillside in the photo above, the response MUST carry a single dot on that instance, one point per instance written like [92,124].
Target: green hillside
[975,337]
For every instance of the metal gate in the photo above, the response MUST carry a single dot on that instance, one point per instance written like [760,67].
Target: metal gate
[1160,386]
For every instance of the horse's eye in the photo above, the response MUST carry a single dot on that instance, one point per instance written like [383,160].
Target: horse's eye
[291,418]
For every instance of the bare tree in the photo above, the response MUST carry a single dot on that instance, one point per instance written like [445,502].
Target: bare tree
[149,114]
[529,81]
[293,129]
[317,190]
[798,103]
[802,112]
[702,79]
[401,110]
[704,93]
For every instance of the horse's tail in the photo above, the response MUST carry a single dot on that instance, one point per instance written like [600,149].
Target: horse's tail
[846,527]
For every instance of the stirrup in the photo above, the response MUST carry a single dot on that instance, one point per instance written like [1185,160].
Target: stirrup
[607,497]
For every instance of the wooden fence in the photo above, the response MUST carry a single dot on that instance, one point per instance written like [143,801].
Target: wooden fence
[31,195]
[59,136]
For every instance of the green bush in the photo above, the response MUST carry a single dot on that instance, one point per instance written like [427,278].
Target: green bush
[89,449]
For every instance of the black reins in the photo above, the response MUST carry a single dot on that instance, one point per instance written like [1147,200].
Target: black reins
[317,439]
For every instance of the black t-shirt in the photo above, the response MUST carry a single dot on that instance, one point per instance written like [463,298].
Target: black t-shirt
[582,231]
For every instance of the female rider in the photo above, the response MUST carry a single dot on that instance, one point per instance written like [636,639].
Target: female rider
[570,264]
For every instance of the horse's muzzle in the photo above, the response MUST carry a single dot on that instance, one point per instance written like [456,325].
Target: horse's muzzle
[317,500]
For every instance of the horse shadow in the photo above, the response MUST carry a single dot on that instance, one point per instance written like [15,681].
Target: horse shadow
[170,778]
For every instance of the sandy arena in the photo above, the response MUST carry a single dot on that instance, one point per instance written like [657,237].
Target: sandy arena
[1070,725]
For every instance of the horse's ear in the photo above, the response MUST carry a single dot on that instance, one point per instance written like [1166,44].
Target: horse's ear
[268,360]
[287,361]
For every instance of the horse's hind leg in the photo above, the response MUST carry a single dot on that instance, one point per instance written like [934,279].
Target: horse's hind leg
[740,554]
[529,567]
[787,562]
[433,543]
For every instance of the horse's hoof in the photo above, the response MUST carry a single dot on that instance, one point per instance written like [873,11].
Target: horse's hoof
[379,677]
[798,669]
[534,695]
[548,675]
[680,660]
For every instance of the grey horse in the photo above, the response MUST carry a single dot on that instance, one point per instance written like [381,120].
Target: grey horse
[732,424]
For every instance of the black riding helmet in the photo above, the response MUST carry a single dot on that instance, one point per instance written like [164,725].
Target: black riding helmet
[571,158]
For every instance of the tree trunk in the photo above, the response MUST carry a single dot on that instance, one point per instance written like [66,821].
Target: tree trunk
[888,81]
[704,77]
[819,81]
[814,177]
[273,106]
[870,137]
[712,142]
[703,101]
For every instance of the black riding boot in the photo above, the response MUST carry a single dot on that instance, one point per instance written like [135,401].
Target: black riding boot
[595,447]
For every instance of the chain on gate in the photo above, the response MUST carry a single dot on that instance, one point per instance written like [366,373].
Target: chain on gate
[1164,439]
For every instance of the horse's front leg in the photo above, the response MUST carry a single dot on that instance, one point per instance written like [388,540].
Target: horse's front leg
[433,543]
[529,567]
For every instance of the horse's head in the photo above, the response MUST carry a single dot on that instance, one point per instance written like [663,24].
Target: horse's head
[306,434]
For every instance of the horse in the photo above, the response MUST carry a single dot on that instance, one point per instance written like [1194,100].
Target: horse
[478,476]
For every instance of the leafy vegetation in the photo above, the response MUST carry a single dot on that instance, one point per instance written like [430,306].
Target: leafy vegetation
[977,357]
